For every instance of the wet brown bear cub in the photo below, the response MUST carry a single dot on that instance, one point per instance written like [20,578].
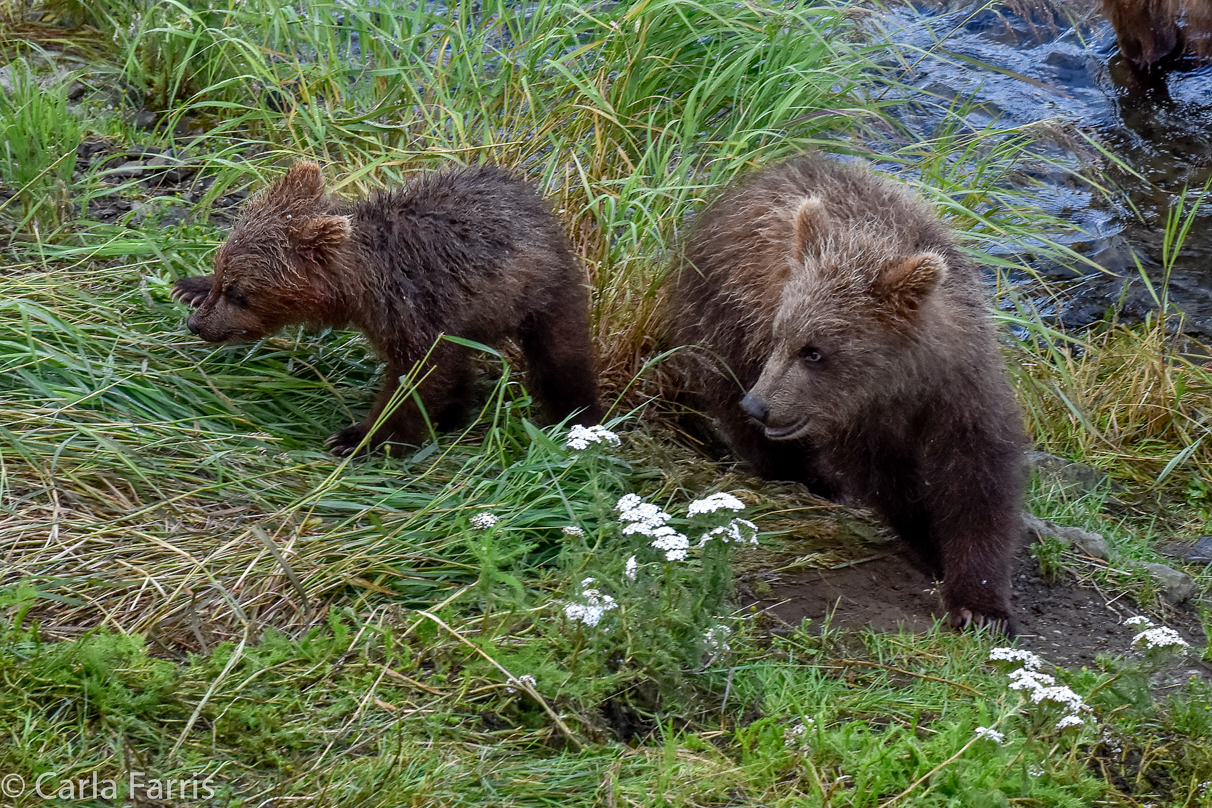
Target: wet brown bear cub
[470,252]
[843,341]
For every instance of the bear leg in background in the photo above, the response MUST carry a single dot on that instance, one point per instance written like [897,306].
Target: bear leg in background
[1147,30]
[560,358]
[910,520]
[1197,37]
[445,384]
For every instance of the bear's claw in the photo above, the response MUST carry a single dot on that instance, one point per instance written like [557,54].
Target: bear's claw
[345,442]
[192,291]
[1000,624]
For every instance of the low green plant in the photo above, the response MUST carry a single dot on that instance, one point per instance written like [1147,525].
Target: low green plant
[1048,553]
[38,140]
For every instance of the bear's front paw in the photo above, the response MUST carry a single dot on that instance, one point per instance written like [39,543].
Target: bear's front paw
[192,291]
[346,442]
[995,620]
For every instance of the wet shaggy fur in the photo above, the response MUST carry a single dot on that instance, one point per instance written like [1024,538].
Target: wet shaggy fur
[1150,31]
[470,252]
[843,341]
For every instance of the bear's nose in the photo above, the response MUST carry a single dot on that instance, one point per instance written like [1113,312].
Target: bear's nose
[193,327]
[755,408]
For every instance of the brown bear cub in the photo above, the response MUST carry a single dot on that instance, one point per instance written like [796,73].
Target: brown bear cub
[470,252]
[843,341]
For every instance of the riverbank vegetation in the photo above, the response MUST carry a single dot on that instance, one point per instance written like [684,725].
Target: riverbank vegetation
[192,589]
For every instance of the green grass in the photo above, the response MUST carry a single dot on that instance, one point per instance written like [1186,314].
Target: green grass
[192,587]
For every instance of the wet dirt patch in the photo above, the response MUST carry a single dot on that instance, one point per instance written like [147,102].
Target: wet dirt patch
[1068,623]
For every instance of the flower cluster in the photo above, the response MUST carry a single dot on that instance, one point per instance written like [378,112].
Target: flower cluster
[1041,687]
[738,531]
[580,437]
[523,681]
[715,502]
[991,734]
[645,522]
[1154,636]
[573,532]
[647,519]
[592,609]
[716,638]
[483,520]
[1029,660]
[795,736]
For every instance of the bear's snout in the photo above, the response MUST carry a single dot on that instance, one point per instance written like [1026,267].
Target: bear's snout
[756,408]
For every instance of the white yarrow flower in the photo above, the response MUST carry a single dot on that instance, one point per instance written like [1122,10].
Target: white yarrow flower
[630,569]
[572,531]
[1139,620]
[594,606]
[738,531]
[1159,637]
[990,734]
[674,544]
[524,680]
[581,437]
[1023,679]
[626,502]
[1040,687]
[646,519]
[1027,659]
[714,503]
[795,735]
[483,520]
[717,636]
[643,517]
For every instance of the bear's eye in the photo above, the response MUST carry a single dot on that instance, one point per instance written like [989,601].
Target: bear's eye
[811,354]
[235,296]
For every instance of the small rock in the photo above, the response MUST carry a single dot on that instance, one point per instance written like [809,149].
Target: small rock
[145,120]
[91,147]
[1176,586]
[278,100]
[175,169]
[128,170]
[1070,476]
[1200,552]
[1092,544]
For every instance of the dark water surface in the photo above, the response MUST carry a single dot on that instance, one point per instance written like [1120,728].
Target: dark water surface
[1057,61]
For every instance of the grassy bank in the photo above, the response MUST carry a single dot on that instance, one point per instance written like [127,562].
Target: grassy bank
[193,589]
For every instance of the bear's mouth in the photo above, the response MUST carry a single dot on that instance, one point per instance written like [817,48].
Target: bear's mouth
[790,432]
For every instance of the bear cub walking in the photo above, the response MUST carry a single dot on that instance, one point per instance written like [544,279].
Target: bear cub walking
[470,252]
[843,341]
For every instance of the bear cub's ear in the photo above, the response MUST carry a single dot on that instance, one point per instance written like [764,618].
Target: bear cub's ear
[321,237]
[302,183]
[905,285]
[812,224]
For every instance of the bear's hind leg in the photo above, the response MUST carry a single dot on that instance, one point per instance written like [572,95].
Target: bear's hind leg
[560,359]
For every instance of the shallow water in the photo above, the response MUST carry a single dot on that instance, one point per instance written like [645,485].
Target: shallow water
[1037,61]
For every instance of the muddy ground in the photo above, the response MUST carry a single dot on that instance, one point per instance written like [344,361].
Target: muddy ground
[1069,622]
